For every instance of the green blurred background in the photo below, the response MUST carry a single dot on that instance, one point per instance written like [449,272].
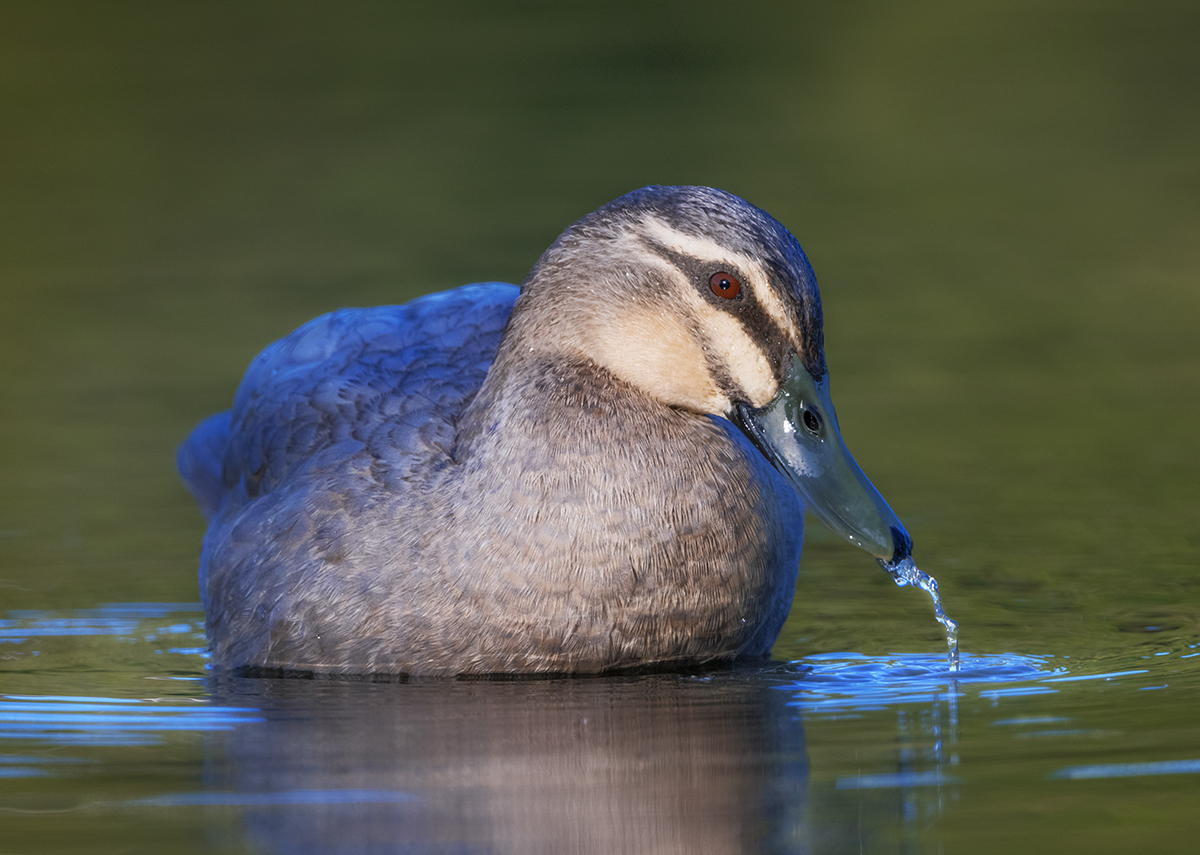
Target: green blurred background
[1001,201]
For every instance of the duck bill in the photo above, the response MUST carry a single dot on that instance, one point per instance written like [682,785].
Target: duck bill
[798,433]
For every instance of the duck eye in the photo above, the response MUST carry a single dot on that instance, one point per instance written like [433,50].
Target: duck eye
[725,285]
[812,421]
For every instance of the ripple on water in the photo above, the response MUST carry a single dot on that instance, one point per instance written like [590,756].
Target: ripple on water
[841,682]
[93,721]
[111,619]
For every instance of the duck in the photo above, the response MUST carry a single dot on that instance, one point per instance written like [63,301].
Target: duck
[604,469]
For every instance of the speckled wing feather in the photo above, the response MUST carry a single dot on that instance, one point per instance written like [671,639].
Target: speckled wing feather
[389,381]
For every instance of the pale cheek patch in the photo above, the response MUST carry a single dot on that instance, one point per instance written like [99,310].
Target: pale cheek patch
[654,352]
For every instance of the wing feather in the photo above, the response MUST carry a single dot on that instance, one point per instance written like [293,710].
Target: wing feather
[390,381]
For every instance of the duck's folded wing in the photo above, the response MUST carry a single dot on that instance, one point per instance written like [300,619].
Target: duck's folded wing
[389,381]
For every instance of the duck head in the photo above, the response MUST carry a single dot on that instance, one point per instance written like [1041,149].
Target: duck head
[709,305]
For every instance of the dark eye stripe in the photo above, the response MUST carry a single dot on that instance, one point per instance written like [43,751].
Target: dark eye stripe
[774,341]
[760,327]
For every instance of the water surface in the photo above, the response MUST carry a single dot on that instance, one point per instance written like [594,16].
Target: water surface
[822,754]
[1000,202]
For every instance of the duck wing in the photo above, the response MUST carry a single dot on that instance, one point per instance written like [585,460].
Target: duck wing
[389,381]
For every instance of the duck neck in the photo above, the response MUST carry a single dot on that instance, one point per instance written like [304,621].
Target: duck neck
[530,389]
[528,366]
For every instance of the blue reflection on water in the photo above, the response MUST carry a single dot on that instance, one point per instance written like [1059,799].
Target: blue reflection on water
[845,682]
[923,693]
[894,781]
[918,689]
[108,721]
[22,629]
[83,720]
[122,619]
[1108,675]
[924,696]
[283,797]
[1129,770]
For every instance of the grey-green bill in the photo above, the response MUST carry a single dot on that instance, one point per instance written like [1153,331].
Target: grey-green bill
[798,432]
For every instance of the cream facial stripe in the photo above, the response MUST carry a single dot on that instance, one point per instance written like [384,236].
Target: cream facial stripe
[706,250]
[744,358]
[737,354]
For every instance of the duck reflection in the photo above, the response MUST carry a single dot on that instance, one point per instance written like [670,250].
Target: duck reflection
[657,763]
